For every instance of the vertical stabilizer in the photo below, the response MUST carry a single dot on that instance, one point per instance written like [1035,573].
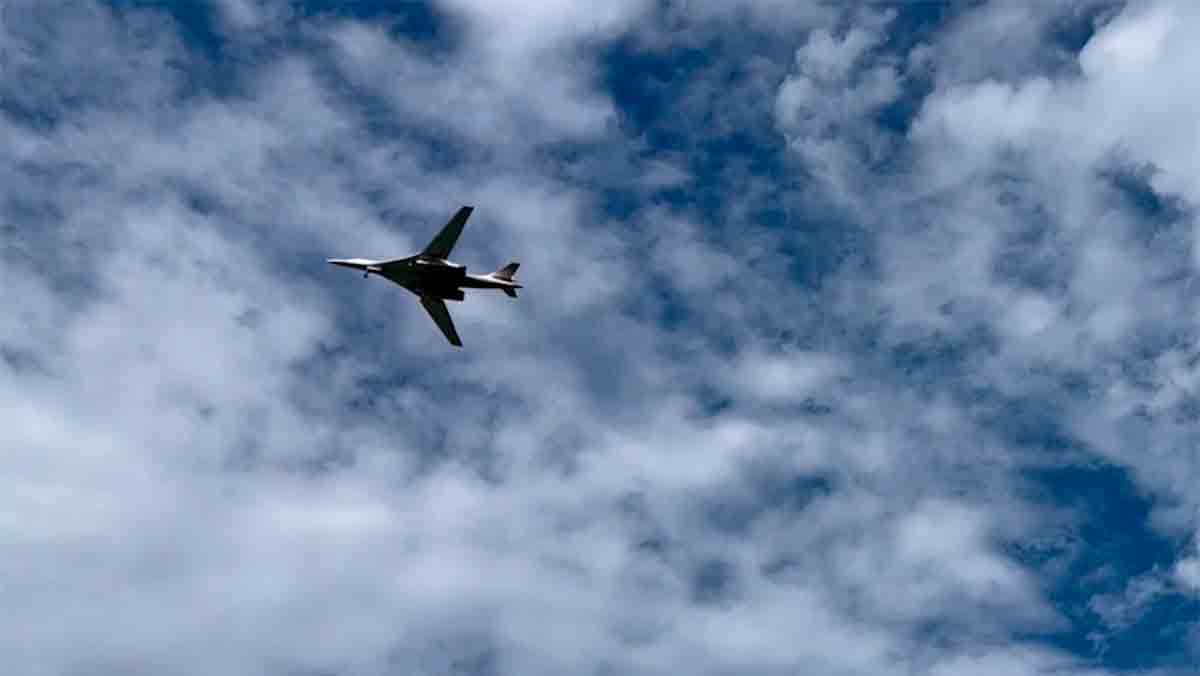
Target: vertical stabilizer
[507,272]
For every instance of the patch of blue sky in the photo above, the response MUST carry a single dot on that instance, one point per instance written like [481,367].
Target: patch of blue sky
[1105,541]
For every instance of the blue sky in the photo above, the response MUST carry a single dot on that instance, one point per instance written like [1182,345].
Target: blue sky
[857,338]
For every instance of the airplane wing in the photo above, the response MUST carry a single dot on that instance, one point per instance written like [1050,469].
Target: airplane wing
[441,245]
[436,308]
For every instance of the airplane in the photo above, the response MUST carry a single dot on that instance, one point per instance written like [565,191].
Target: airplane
[433,278]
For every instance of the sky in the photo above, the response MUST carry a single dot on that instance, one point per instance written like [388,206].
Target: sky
[856,338]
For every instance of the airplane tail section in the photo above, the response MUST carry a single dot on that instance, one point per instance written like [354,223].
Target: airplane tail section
[507,272]
[512,293]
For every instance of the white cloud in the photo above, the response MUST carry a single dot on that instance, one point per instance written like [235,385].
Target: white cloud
[824,107]
[244,14]
[1187,573]
[223,457]
[1006,237]
[1001,662]
[1008,41]
[783,377]
[1132,42]
[518,72]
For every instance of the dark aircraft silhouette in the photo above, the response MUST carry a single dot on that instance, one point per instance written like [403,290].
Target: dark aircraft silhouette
[433,278]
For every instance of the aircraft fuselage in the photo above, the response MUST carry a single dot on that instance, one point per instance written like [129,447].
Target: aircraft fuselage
[435,277]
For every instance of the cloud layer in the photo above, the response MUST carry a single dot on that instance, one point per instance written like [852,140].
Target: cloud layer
[847,347]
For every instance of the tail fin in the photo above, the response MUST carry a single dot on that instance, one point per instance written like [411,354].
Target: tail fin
[512,293]
[507,272]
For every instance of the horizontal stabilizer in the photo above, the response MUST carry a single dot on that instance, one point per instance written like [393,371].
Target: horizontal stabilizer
[512,293]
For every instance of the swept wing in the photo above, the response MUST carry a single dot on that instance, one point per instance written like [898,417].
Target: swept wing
[436,308]
[443,244]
